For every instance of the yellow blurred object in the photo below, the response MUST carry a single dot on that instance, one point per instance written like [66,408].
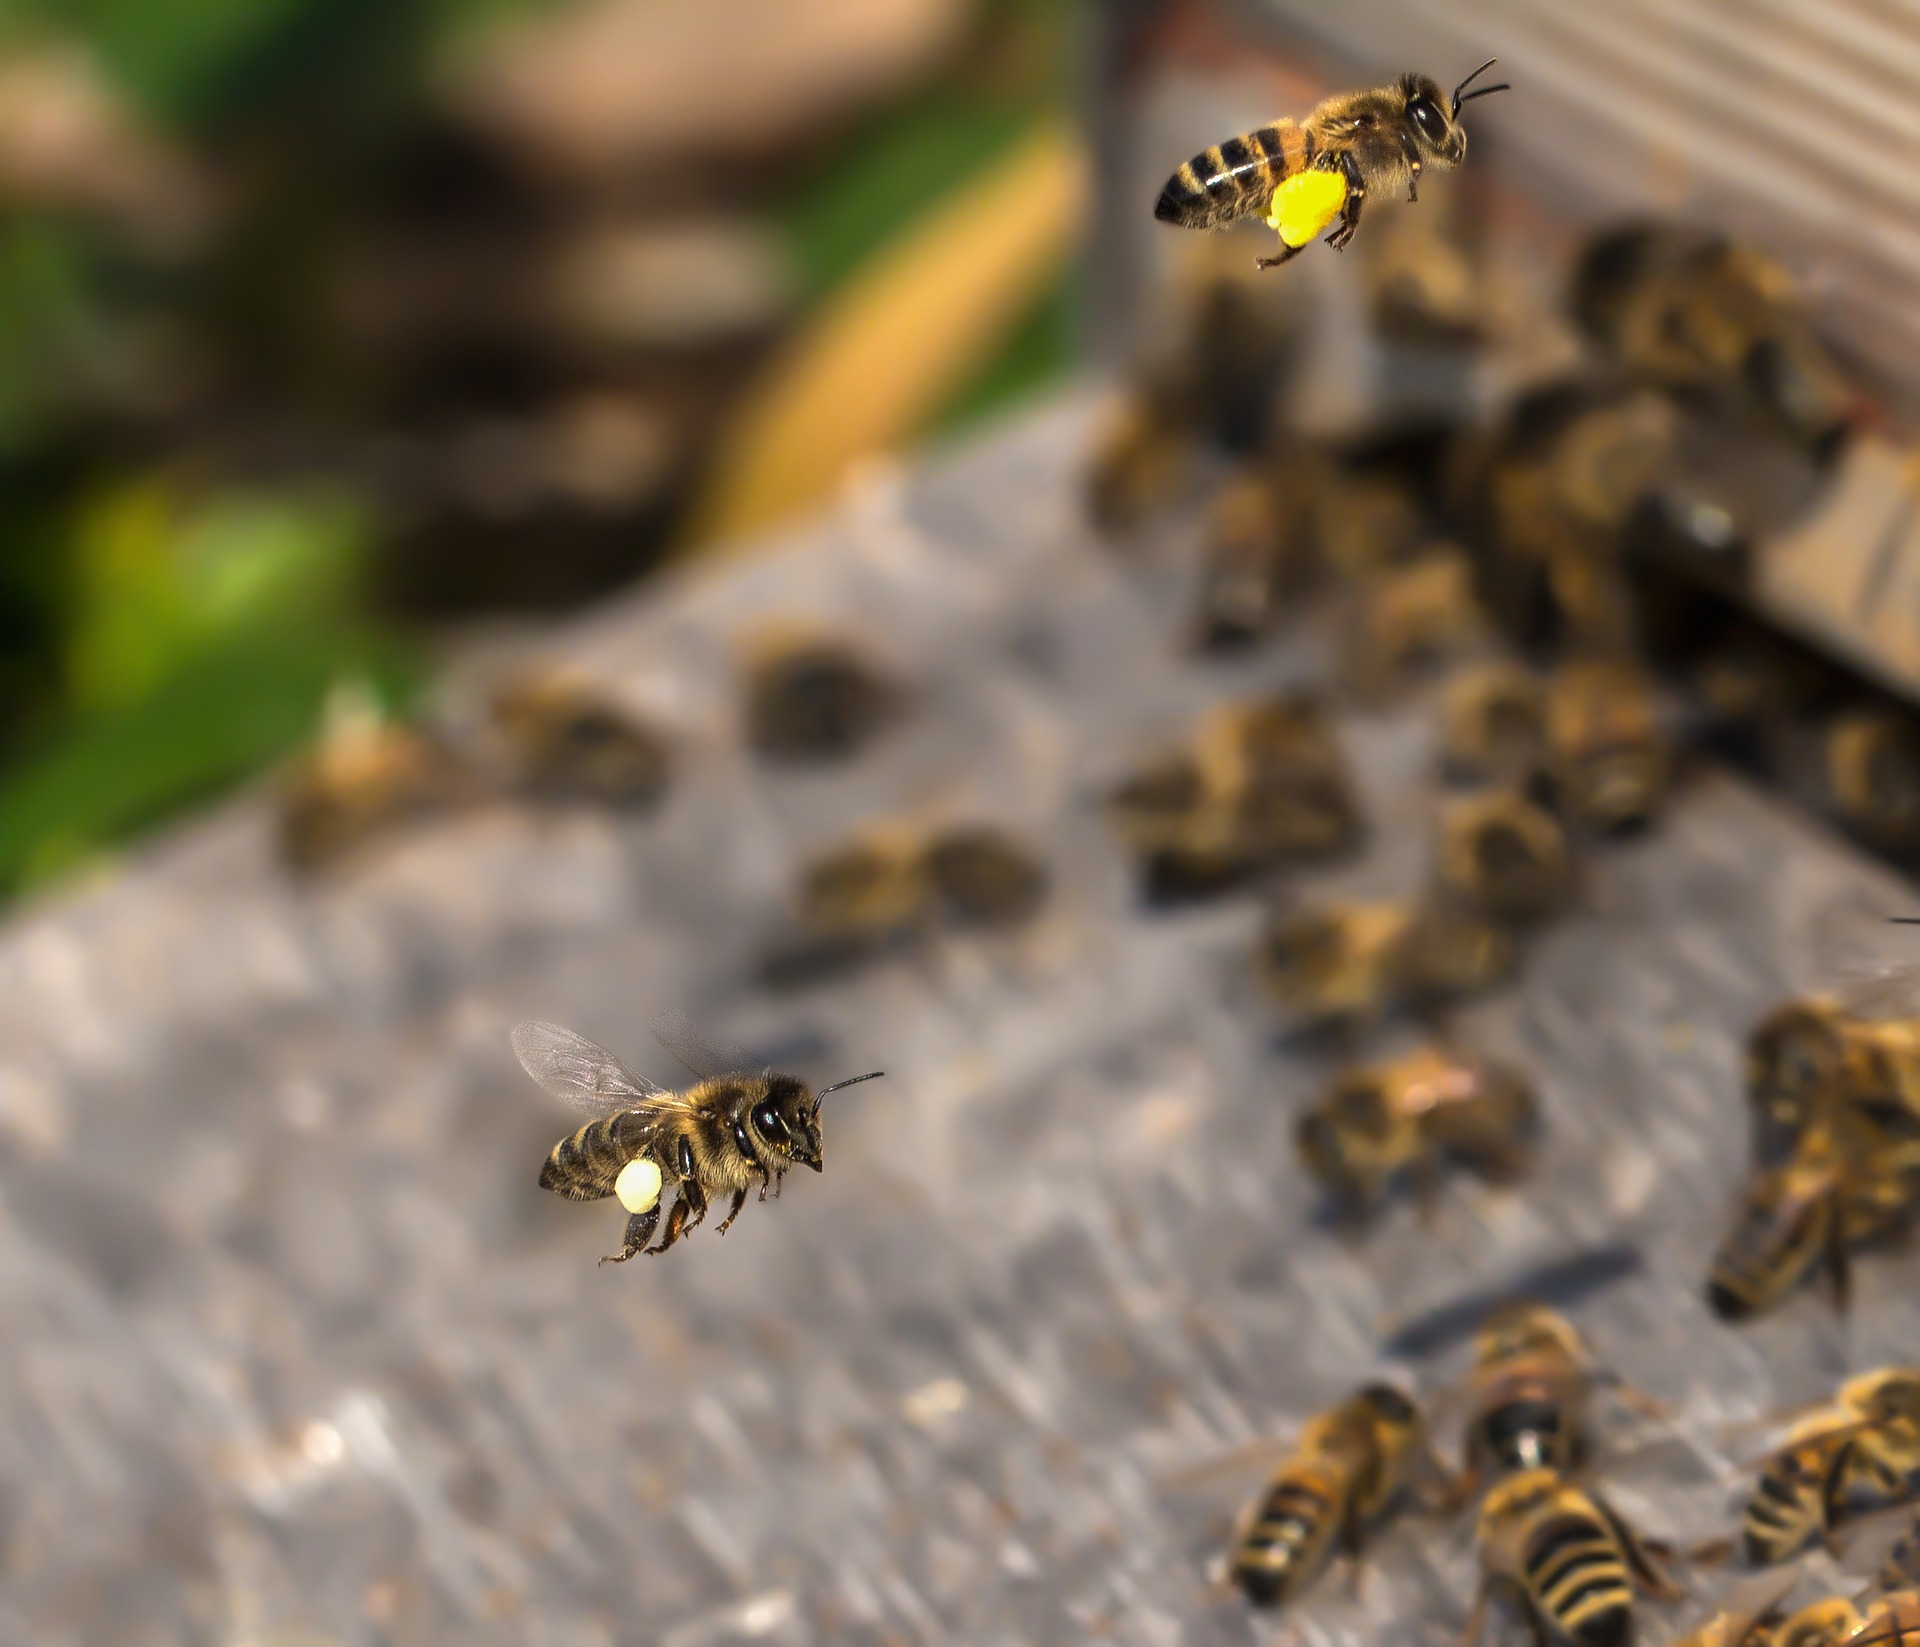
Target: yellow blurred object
[1305,204]
[903,335]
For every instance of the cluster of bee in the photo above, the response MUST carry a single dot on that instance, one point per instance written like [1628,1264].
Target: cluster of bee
[1548,1544]
[1835,1101]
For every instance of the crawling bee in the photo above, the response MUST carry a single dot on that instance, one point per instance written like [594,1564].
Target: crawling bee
[1872,777]
[567,743]
[1864,1446]
[980,876]
[1257,563]
[1749,1614]
[365,777]
[735,1127]
[1606,756]
[1892,1620]
[864,892]
[1826,1200]
[1304,175]
[1350,1468]
[1407,1118]
[1351,963]
[1565,1557]
[1144,457]
[812,698]
[1261,784]
[1824,1623]
[1413,617]
[1492,724]
[1529,1387]
[1503,856]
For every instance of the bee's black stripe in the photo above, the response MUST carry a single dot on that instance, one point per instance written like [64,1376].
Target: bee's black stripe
[1267,143]
[1236,155]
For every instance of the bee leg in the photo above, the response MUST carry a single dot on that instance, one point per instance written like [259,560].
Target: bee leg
[676,1223]
[1839,1273]
[1287,255]
[696,1197]
[766,1178]
[1350,212]
[733,1212]
[639,1233]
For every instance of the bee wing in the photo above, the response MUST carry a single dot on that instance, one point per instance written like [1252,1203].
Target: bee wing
[706,1055]
[1744,1606]
[580,1074]
[1264,1454]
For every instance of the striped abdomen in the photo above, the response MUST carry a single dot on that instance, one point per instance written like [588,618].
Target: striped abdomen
[1236,178]
[1290,1535]
[1576,1573]
[1788,1509]
[584,1166]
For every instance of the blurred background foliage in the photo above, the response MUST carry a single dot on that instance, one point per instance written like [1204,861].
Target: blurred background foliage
[331,327]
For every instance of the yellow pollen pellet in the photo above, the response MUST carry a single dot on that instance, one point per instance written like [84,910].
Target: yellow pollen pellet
[1305,204]
[638,1185]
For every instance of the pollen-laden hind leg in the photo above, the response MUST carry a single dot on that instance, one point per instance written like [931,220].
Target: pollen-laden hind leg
[639,1233]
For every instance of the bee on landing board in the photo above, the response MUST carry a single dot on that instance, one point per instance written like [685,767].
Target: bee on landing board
[735,1127]
[1303,175]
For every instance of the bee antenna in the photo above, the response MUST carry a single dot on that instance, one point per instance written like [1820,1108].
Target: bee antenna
[1484,91]
[1904,920]
[850,1081]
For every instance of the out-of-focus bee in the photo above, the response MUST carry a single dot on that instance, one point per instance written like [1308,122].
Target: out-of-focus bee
[1257,562]
[1261,784]
[1812,1212]
[365,777]
[565,742]
[1407,1118]
[980,876]
[1413,617]
[813,698]
[1900,1569]
[1302,176]
[1362,523]
[1492,723]
[1824,1623]
[1144,458]
[898,879]
[1891,1620]
[1872,777]
[1503,855]
[1815,1059]
[1564,1555]
[1350,1468]
[1864,1447]
[1607,758]
[1749,1616]
[1425,285]
[1351,963]
[1692,311]
[736,1127]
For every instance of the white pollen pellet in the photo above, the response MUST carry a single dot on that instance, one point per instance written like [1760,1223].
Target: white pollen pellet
[638,1185]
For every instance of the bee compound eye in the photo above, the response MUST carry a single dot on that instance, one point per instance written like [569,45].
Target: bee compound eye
[1427,118]
[767,1122]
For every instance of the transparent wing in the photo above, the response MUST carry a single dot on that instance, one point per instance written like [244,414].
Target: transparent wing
[584,1076]
[706,1055]
[1863,958]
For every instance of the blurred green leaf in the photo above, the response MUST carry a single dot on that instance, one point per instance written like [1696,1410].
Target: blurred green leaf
[161,579]
[225,715]
[48,322]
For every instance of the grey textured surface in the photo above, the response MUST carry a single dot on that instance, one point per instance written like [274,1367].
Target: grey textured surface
[296,1351]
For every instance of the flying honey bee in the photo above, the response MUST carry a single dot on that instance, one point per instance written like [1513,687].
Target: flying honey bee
[1830,1197]
[1409,1117]
[734,1128]
[566,742]
[1863,1447]
[1564,1555]
[1302,175]
[1504,856]
[1351,1467]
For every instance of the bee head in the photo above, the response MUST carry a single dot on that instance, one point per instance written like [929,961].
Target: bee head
[1433,117]
[786,1118]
